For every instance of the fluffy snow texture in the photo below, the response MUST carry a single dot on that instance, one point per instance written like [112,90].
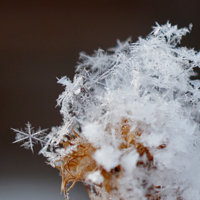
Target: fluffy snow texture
[95,177]
[146,82]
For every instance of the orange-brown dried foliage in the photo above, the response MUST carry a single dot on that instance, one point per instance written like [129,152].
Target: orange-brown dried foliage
[77,165]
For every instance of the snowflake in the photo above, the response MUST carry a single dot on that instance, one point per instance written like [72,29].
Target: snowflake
[30,136]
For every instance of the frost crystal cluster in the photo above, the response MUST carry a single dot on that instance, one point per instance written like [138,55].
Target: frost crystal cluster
[131,121]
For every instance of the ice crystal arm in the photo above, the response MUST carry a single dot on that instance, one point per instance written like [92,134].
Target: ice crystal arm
[29,137]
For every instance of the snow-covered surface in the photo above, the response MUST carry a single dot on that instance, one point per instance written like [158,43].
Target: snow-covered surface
[147,82]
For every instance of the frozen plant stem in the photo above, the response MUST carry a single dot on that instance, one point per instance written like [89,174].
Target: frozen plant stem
[130,122]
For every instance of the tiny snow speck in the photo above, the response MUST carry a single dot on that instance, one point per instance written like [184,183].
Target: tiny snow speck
[131,118]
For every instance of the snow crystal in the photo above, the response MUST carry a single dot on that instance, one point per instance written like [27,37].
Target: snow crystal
[95,177]
[108,157]
[29,137]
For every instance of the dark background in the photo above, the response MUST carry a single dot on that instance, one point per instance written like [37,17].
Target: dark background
[41,40]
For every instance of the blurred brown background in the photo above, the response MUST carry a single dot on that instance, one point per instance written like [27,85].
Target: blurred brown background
[41,40]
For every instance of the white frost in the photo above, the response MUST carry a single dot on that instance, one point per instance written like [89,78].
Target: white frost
[147,82]
[108,157]
[95,177]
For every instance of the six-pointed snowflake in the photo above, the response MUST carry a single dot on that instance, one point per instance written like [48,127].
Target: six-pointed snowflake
[29,137]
